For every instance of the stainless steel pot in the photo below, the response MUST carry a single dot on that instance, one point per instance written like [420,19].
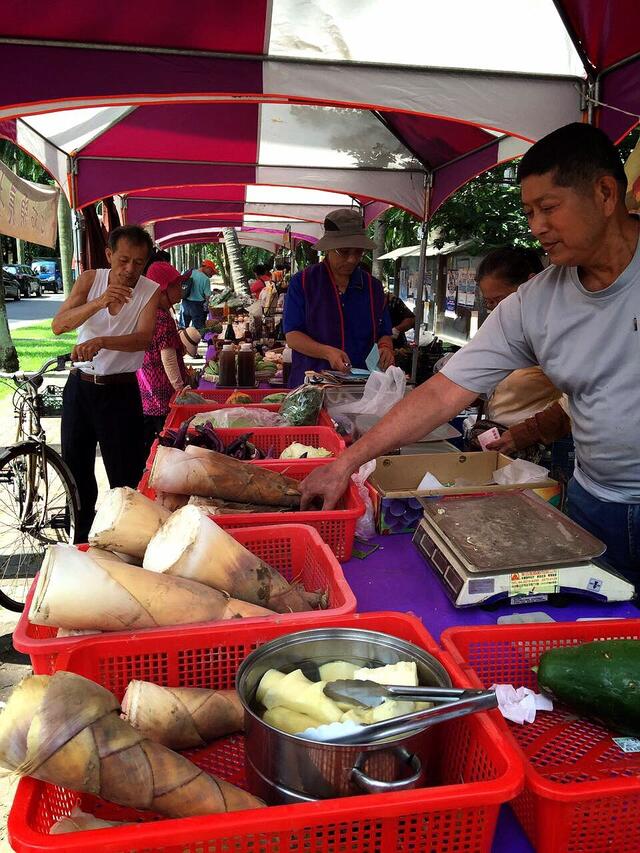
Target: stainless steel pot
[284,768]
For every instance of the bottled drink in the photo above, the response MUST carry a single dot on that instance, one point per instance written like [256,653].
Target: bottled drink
[286,365]
[227,367]
[229,334]
[246,367]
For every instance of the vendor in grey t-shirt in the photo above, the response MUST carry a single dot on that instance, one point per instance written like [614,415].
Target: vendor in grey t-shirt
[578,320]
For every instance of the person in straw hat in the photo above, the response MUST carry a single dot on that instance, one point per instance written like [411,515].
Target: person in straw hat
[335,311]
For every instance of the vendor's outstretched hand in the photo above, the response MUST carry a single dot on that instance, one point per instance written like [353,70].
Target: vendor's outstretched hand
[325,485]
[338,359]
[386,358]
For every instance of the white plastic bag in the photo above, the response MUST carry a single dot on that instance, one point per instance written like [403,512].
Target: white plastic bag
[381,392]
[239,417]
[519,472]
[366,524]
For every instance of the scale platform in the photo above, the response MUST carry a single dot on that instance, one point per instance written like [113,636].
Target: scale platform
[512,547]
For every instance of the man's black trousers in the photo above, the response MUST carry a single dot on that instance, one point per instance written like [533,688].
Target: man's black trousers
[108,415]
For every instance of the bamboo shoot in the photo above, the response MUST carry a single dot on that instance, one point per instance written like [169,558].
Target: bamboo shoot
[76,591]
[79,821]
[210,474]
[191,545]
[125,521]
[182,717]
[65,729]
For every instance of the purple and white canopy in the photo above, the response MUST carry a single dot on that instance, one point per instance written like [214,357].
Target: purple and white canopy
[212,111]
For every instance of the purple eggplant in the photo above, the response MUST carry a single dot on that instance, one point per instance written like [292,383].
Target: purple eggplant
[238,448]
[271,453]
[167,438]
[181,436]
[212,440]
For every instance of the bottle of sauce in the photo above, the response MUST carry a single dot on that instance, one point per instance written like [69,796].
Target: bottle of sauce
[246,367]
[229,334]
[286,365]
[227,367]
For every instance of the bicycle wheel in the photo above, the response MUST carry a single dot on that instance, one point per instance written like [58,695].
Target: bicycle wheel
[38,507]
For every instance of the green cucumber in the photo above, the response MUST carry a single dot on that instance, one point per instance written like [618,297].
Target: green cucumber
[600,681]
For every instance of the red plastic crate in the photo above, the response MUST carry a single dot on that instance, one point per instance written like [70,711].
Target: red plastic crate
[279,438]
[582,793]
[295,550]
[337,527]
[475,769]
[178,414]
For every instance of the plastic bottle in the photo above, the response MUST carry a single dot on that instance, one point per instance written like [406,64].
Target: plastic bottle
[227,367]
[287,355]
[229,334]
[246,367]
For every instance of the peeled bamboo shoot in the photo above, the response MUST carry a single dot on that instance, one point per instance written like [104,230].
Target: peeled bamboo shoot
[125,521]
[182,717]
[191,545]
[210,474]
[65,729]
[79,821]
[74,590]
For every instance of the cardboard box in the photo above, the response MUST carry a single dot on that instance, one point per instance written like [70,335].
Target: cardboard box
[393,485]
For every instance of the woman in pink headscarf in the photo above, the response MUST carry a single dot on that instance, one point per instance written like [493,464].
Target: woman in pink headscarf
[163,370]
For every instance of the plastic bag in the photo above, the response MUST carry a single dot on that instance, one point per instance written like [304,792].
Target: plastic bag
[366,524]
[381,392]
[301,407]
[238,417]
[518,472]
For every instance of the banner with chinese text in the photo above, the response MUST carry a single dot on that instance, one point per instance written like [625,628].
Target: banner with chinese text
[28,211]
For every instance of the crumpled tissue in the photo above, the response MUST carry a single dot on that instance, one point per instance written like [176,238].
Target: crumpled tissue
[520,471]
[521,705]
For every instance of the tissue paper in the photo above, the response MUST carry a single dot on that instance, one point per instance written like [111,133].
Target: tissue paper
[521,705]
[519,472]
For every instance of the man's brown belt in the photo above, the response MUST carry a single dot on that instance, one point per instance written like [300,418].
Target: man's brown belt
[107,379]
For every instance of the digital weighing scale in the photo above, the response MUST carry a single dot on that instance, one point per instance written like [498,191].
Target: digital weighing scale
[512,547]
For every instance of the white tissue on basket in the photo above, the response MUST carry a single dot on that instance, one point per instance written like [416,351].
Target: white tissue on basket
[520,706]
[518,472]
[328,731]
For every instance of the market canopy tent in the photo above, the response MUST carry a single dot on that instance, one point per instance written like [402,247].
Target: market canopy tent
[331,95]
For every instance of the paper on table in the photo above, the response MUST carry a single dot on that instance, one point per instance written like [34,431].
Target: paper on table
[518,472]
[373,358]
[429,482]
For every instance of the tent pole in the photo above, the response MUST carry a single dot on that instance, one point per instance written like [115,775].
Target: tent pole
[421,275]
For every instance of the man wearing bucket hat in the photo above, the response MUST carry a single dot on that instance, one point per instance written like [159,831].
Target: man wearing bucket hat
[196,298]
[335,311]
[163,370]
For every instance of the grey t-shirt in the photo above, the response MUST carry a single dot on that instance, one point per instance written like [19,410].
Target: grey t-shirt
[588,344]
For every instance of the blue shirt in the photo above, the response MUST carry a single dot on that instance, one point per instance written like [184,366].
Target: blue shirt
[357,313]
[201,287]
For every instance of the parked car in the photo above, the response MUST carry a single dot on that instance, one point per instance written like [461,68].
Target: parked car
[11,286]
[30,284]
[49,273]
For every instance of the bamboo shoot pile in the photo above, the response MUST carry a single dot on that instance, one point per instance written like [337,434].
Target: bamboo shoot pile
[125,521]
[78,591]
[182,717]
[191,545]
[65,729]
[197,471]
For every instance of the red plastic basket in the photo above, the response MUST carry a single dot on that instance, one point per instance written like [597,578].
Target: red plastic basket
[337,527]
[475,769]
[178,414]
[294,549]
[279,438]
[582,792]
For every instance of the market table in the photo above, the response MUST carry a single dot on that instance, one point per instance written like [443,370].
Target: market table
[396,577]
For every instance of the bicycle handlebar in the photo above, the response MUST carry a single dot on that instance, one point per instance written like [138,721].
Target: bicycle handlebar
[59,361]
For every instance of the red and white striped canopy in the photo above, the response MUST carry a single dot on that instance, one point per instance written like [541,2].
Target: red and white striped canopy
[283,109]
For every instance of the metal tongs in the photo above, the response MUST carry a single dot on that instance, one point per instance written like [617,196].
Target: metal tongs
[451,703]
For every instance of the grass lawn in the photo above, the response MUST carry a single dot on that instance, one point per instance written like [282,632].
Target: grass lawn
[35,344]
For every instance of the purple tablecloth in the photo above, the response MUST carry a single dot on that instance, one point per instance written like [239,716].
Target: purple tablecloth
[396,577]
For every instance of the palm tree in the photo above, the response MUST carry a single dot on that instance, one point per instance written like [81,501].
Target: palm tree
[234,254]
[65,239]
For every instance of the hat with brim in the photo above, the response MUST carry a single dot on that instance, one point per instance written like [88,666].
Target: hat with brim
[190,338]
[343,229]
[165,274]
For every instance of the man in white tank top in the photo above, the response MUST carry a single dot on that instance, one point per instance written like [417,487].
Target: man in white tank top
[114,311]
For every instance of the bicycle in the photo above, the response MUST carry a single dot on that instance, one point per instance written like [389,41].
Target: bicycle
[38,495]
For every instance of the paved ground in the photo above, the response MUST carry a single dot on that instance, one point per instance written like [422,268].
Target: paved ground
[13,665]
[33,310]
